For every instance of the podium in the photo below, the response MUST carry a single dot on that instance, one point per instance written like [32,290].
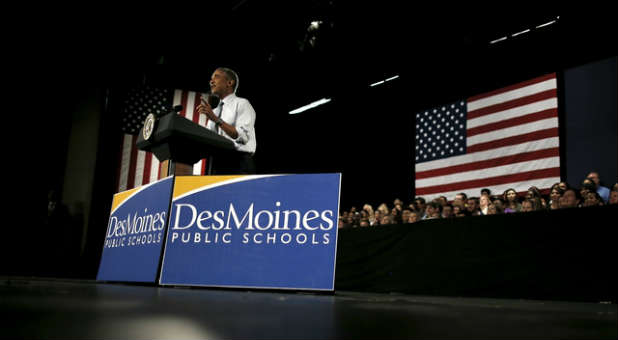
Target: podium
[179,143]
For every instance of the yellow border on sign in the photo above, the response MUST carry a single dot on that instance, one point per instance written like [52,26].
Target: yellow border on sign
[120,197]
[184,184]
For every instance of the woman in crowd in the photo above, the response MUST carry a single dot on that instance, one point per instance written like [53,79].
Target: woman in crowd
[511,203]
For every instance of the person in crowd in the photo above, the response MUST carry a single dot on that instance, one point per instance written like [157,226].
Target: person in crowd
[442,200]
[405,215]
[433,210]
[472,206]
[370,214]
[601,190]
[386,219]
[364,222]
[484,203]
[528,204]
[613,195]
[586,187]
[492,210]
[534,193]
[554,196]
[498,203]
[396,215]
[486,191]
[592,199]
[377,217]
[570,199]
[420,206]
[447,211]
[511,203]
[460,200]
[414,217]
[457,211]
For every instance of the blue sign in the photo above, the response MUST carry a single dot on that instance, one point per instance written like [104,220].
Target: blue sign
[135,233]
[263,231]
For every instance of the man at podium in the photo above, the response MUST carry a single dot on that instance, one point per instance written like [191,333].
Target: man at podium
[233,118]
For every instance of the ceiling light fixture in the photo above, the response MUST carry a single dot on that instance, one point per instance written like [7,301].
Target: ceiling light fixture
[384,81]
[311,106]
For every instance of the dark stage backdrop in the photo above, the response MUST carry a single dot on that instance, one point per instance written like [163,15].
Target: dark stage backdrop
[591,139]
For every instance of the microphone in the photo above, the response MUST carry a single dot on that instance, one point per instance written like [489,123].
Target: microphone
[212,99]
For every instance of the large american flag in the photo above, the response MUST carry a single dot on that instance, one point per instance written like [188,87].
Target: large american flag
[507,138]
[138,167]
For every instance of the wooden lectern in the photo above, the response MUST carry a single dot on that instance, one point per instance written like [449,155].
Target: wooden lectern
[178,143]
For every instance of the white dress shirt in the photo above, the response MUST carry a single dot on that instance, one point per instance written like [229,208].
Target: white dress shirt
[239,113]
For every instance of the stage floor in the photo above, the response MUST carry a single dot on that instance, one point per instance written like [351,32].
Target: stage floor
[53,308]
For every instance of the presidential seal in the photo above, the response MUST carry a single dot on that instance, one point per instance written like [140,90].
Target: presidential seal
[148,126]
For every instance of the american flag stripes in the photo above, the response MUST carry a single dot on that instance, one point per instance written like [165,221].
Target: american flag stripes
[503,139]
[139,167]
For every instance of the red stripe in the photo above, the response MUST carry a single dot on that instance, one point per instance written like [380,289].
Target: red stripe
[119,163]
[196,103]
[551,93]
[517,158]
[203,172]
[513,87]
[527,137]
[183,102]
[487,182]
[131,177]
[532,117]
[147,164]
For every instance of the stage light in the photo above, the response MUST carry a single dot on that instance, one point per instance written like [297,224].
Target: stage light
[497,40]
[310,106]
[384,81]
[520,33]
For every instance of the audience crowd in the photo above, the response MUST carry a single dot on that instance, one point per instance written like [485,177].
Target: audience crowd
[561,195]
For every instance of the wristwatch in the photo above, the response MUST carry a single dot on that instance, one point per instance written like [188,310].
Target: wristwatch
[219,121]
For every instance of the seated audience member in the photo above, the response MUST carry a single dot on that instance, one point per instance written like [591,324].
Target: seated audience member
[498,203]
[592,199]
[601,190]
[492,210]
[570,199]
[447,211]
[535,194]
[458,211]
[377,215]
[613,195]
[432,210]
[554,197]
[511,203]
[364,222]
[370,214]
[586,187]
[472,206]
[527,205]
[405,215]
[414,217]
[420,206]
[386,220]
[460,200]
[484,203]
[396,216]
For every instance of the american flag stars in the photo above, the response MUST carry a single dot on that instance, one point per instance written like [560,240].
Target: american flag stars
[441,132]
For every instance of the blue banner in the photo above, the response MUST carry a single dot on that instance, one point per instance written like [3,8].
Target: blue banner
[269,231]
[135,233]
